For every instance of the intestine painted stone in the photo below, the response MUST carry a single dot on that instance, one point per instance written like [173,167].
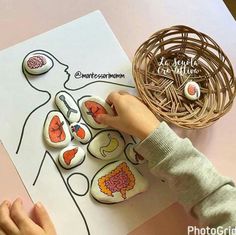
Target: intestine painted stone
[37,64]
[116,182]
[93,106]
[80,132]
[67,105]
[133,156]
[56,132]
[107,145]
[71,156]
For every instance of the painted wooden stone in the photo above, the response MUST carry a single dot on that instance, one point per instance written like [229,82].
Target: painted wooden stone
[36,63]
[107,145]
[116,182]
[80,132]
[71,156]
[56,132]
[133,156]
[67,105]
[93,106]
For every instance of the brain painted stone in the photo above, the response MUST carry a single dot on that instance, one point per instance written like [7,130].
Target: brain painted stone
[37,63]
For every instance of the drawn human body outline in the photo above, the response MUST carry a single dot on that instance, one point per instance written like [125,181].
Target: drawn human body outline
[29,117]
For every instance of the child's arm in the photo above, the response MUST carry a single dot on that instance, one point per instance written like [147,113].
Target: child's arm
[15,221]
[208,196]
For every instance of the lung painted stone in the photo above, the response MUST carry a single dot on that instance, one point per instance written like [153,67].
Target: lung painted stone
[133,156]
[56,132]
[117,182]
[67,105]
[71,156]
[107,145]
[93,106]
[80,132]
[37,64]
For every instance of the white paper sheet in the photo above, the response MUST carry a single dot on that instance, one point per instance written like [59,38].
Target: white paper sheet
[87,45]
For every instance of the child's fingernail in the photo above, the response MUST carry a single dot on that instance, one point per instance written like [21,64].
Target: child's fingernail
[39,205]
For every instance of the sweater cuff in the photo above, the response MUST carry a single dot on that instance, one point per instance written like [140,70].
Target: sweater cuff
[158,144]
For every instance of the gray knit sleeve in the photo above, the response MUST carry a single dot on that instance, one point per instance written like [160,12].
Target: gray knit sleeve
[207,195]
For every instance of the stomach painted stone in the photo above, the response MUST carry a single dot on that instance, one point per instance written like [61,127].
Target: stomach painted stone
[36,63]
[80,132]
[116,182]
[93,106]
[67,105]
[107,145]
[56,132]
[71,157]
[133,156]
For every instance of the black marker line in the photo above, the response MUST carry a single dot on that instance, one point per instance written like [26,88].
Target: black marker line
[133,139]
[87,180]
[90,83]
[126,155]
[68,189]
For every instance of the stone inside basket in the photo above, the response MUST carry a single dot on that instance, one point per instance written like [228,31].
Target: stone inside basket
[171,58]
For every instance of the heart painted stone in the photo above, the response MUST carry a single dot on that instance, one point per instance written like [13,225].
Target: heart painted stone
[37,63]
[93,106]
[80,132]
[67,105]
[106,145]
[71,157]
[56,132]
[116,182]
[133,156]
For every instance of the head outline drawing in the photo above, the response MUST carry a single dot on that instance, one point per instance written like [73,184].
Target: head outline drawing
[31,77]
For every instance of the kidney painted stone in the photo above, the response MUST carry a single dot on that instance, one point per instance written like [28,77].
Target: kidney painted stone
[56,132]
[80,132]
[67,105]
[71,157]
[36,63]
[133,156]
[107,145]
[192,90]
[93,106]
[116,182]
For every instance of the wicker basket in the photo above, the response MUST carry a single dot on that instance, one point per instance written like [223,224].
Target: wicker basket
[170,58]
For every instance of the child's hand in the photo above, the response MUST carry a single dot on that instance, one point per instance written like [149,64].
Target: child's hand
[132,116]
[14,220]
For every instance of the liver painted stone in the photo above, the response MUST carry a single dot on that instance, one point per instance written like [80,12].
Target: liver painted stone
[71,157]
